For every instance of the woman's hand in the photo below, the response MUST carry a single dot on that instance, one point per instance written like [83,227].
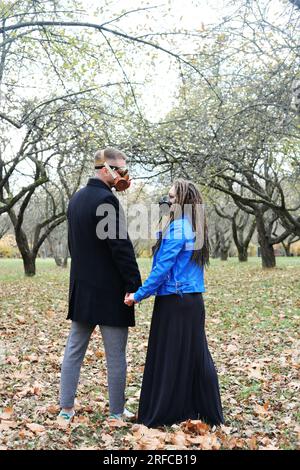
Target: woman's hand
[129,299]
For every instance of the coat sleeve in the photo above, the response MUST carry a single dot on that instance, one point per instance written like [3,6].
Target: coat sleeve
[121,248]
[172,244]
[69,238]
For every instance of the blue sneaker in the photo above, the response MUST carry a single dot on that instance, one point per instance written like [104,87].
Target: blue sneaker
[66,415]
[115,416]
[127,415]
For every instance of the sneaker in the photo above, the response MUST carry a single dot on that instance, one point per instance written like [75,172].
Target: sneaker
[66,415]
[115,416]
[125,415]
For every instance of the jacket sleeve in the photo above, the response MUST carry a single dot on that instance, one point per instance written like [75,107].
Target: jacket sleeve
[69,237]
[172,243]
[122,250]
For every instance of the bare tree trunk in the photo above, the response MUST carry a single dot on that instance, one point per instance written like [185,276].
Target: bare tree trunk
[242,253]
[29,263]
[267,250]
[287,248]
[242,243]
[28,256]
[224,253]
[60,261]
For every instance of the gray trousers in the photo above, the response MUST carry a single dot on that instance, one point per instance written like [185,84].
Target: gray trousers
[115,340]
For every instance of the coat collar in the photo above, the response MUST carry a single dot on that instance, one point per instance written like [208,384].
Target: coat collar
[97,182]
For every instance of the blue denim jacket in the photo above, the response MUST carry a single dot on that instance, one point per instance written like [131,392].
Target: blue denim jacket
[173,272]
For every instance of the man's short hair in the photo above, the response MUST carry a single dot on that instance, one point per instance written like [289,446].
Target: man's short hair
[108,154]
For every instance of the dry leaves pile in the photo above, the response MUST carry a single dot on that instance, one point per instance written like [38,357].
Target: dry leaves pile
[252,328]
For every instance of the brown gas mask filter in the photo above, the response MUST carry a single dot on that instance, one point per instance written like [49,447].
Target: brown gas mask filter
[121,178]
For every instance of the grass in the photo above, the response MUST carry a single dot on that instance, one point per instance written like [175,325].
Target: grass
[252,325]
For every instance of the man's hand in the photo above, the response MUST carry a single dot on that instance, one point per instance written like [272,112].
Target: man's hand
[129,299]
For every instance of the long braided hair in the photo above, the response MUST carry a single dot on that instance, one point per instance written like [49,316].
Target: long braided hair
[188,196]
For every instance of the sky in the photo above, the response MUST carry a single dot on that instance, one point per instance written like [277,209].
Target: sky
[158,96]
[162,79]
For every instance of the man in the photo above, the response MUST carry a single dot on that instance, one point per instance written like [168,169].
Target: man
[103,270]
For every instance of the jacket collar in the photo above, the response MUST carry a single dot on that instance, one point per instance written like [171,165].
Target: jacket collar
[97,182]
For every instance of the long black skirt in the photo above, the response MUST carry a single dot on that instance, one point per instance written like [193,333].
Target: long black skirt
[180,380]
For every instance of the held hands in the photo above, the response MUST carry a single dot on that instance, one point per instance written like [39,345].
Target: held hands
[129,300]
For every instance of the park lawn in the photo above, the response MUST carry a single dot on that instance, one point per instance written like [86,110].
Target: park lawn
[252,325]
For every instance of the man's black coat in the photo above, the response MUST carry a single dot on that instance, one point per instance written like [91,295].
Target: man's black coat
[102,270]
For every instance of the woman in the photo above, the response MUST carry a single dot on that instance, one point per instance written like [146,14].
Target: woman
[180,381]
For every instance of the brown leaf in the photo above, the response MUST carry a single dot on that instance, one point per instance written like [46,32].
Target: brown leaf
[12,360]
[36,428]
[107,439]
[179,439]
[234,443]
[139,430]
[24,434]
[194,440]
[6,425]
[116,423]
[261,410]
[226,429]
[252,443]
[31,358]
[254,372]
[53,409]
[37,389]
[195,426]
[209,442]
[6,413]
[62,423]
[50,313]
[268,447]
[81,420]
[28,390]
[150,443]
[20,319]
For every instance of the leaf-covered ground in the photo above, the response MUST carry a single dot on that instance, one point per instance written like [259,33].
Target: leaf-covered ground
[252,325]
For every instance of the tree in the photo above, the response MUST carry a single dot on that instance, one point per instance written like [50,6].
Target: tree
[219,233]
[4,225]
[243,227]
[288,243]
[57,241]
[242,138]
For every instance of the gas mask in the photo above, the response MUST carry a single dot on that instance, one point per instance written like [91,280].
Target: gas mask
[120,176]
[164,205]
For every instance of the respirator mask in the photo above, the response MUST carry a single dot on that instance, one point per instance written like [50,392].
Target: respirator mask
[119,174]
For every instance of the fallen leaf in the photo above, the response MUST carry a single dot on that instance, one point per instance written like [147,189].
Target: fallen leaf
[5,425]
[20,319]
[209,442]
[195,426]
[6,413]
[36,428]
[179,439]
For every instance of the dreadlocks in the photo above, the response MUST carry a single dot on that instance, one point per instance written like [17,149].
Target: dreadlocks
[189,202]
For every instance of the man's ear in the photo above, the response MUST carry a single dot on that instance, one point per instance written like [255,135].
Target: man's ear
[103,171]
